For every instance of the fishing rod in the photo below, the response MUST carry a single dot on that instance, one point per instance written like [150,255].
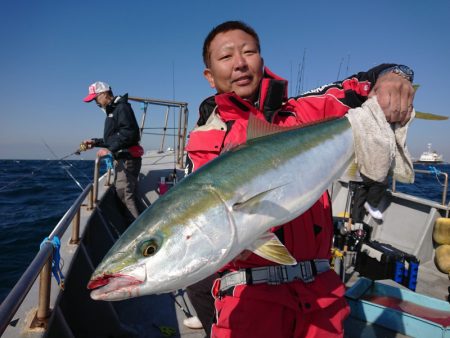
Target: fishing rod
[76,152]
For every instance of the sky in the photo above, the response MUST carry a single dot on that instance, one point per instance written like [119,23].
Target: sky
[51,51]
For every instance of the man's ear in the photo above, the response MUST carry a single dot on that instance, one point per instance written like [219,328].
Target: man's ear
[209,77]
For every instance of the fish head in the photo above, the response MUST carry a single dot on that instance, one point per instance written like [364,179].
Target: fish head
[163,253]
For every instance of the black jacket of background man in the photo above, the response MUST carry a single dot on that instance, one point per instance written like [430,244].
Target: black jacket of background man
[121,129]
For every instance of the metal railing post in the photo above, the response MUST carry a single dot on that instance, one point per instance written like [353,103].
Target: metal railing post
[96,178]
[144,114]
[108,178]
[43,311]
[166,120]
[180,115]
[44,290]
[444,193]
[90,205]
[75,239]
[182,129]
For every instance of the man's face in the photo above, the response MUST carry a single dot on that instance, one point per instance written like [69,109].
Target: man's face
[235,65]
[102,100]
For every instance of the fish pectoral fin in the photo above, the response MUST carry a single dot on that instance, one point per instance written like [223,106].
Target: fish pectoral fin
[269,247]
[249,204]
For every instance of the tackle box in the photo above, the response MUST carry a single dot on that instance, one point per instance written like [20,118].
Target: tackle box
[377,261]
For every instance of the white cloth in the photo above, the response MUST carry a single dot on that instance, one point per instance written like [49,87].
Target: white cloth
[380,147]
[371,252]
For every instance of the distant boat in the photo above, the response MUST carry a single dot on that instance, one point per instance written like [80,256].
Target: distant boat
[430,156]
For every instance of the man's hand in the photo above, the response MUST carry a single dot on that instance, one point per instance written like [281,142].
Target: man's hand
[395,96]
[103,152]
[88,144]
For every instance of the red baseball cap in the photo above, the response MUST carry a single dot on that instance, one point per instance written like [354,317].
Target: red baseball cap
[95,89]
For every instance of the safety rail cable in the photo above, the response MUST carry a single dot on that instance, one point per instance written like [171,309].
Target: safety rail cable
[432,172]
[158,102]
[12,302]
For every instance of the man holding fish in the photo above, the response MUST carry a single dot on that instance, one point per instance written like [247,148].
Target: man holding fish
[234,67]
[259,213]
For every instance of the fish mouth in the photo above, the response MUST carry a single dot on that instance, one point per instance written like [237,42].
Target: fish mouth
[116,286]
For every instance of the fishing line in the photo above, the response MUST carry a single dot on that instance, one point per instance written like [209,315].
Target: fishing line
[67,170]
[33,172]
[185,310]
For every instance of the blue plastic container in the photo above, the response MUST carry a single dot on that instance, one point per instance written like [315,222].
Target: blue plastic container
[393,319]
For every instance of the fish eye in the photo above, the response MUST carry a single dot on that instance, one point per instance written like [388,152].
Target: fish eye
[149,247]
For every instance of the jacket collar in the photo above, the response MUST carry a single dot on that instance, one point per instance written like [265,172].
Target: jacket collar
[272,95]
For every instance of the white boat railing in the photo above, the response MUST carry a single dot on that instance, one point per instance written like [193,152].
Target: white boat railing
[444,189]
[41,265]
[181,114]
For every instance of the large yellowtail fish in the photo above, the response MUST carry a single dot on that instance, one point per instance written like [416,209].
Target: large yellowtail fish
[225,207]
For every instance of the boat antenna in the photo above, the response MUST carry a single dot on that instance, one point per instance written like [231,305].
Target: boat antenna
[339,69]
[348,63]
[301,75]
[290,80]
[340,66]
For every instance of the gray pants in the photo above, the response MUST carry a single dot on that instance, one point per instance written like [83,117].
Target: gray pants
[126,182]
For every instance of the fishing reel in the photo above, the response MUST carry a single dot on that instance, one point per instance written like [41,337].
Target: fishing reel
[83,147]
[349,235]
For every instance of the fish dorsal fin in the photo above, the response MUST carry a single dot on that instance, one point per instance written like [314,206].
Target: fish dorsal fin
[258,128]
[430,116]
[269,247]
[231,146]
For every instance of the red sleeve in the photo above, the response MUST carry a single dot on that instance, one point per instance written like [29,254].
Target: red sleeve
[330,100]
[204,146]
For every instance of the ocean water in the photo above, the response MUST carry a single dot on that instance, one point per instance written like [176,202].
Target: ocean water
[35,194]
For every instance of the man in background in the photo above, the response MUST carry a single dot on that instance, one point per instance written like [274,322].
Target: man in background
[121,138]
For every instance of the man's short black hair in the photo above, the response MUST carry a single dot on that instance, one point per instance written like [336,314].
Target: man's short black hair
[225,27]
